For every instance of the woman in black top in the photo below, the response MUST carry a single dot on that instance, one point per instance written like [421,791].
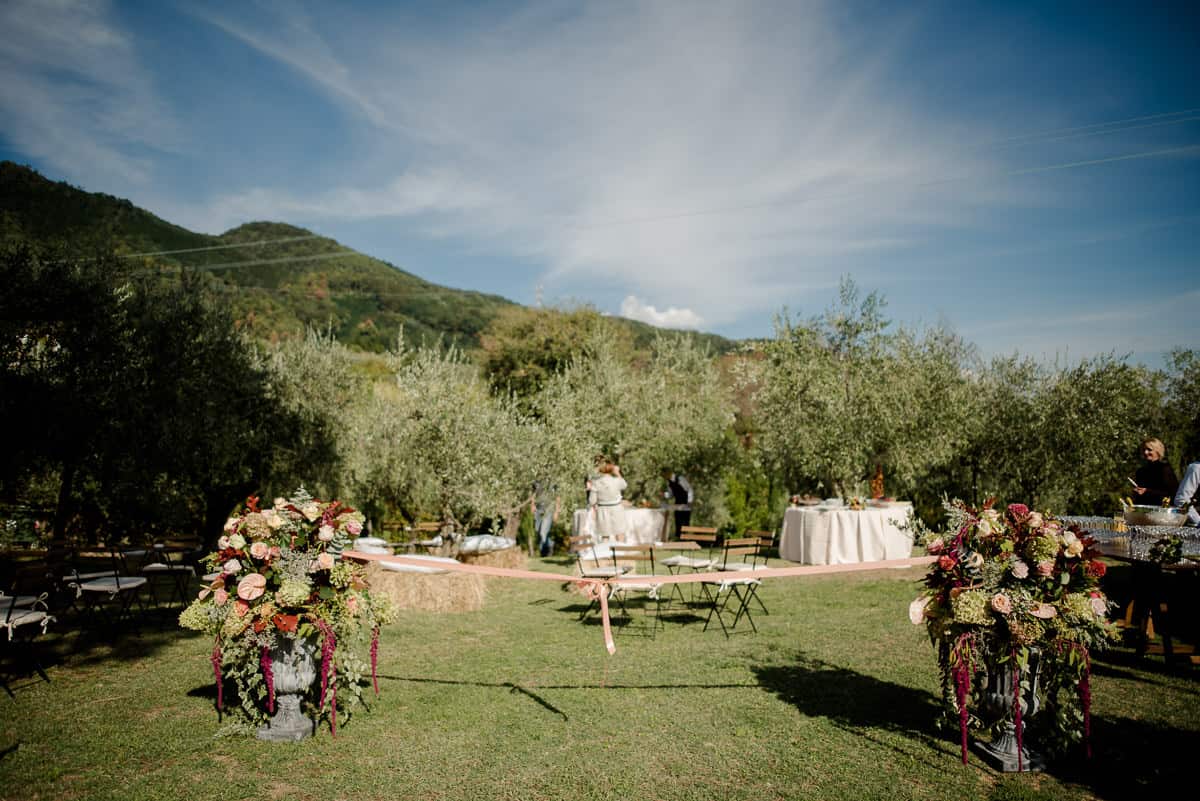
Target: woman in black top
[1155,479]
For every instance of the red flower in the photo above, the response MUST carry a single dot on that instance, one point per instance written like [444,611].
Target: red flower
[1018,513]
[1096,568]
[947,562]
[286,623]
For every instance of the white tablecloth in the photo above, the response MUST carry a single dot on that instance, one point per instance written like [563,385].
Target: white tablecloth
[645,526]
[841,536]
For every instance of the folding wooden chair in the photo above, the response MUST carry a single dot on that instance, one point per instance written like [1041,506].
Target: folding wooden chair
[590,565]
[718,592]
[116,590]
[703,538]
[24,615]
[639,560]
[169,562]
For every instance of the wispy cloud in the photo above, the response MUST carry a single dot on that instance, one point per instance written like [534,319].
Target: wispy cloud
[670,317]
[74,95]
[705,154]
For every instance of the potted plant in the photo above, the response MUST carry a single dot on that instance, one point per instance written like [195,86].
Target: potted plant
[284,610]
[1014,608]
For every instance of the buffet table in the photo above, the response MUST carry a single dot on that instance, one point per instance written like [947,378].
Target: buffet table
[643,526]
[823,536]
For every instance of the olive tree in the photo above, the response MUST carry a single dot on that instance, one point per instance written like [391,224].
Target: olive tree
[838,394]
[674,411]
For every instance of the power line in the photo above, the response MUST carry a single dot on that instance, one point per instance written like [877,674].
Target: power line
[258,262]
[859,193]
[223,247]
[1055,131]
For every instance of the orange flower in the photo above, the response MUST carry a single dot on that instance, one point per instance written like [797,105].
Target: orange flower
[287,623]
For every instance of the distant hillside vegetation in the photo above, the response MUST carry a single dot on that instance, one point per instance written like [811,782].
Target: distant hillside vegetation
[276,289]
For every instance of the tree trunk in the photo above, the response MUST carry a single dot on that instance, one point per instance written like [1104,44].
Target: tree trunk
[218,503]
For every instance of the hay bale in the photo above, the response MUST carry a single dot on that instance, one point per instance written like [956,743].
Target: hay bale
[429,592]
[511,558]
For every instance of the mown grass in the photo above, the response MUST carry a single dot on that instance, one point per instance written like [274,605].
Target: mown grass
[835,697]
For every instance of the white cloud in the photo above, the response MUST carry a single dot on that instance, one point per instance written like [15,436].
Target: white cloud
[671,317]
[725,155]
[74,95]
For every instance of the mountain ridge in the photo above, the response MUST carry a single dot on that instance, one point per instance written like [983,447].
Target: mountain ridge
[281,278]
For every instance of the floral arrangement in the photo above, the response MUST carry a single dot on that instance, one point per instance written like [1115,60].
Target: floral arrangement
[278,575]
[1004,587]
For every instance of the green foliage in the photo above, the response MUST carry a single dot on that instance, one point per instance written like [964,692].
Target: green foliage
[836,395]
[137,394]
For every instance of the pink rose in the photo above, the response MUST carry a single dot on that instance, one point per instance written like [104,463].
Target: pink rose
[353,528]
[935,546]
[232,566]
[1099,605]
[325,533]
[220,597]
[222,543]
[1001,603]
[1044,611]
[1045,568]
[325,561]
[916,610]
[260,550]
[252,586]
[276,552]
[1020,569]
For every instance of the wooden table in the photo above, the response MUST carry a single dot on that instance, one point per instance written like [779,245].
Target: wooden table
[1148,609]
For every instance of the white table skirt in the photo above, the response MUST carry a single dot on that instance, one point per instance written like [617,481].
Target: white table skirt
[645,526]
[844,536]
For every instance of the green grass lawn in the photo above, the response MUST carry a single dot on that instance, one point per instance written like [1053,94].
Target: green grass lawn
[835,697]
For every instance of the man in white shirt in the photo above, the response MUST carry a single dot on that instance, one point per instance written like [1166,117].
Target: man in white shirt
[1185,496]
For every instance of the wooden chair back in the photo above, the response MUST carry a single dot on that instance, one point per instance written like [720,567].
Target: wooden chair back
[766,541]
[637,557]
[706,536]
[738,547]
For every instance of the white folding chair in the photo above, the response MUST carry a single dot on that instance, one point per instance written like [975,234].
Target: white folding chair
[718,592]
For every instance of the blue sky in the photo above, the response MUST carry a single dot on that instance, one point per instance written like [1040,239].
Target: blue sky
[1026,173]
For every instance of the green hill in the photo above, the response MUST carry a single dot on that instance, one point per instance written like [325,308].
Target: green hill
[279,278]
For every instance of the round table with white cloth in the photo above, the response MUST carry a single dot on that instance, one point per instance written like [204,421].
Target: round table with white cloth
[644,526]
[818,536]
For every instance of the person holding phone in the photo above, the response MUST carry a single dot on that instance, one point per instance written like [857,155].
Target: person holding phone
[1155,480]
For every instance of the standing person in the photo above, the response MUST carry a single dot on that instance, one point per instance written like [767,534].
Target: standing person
[679,490]
[545,493]
[1186,497]
[1155,479]
[606,502]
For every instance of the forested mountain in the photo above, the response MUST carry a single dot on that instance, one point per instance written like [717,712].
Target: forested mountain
[277,288]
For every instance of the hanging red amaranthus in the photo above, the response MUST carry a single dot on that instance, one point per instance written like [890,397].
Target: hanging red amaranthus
[328,671]
[375,658]
[961,658]
[269,675]
[1084,687]
[216,665]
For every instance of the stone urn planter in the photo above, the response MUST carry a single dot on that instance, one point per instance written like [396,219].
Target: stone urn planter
[1003,752]
[294,670]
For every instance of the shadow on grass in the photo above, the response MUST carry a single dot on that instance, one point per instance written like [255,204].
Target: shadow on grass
[850,699]
[1132,758]
[80,642]
[542,702]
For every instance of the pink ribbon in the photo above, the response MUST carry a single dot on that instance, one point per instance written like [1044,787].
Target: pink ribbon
[603,586]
